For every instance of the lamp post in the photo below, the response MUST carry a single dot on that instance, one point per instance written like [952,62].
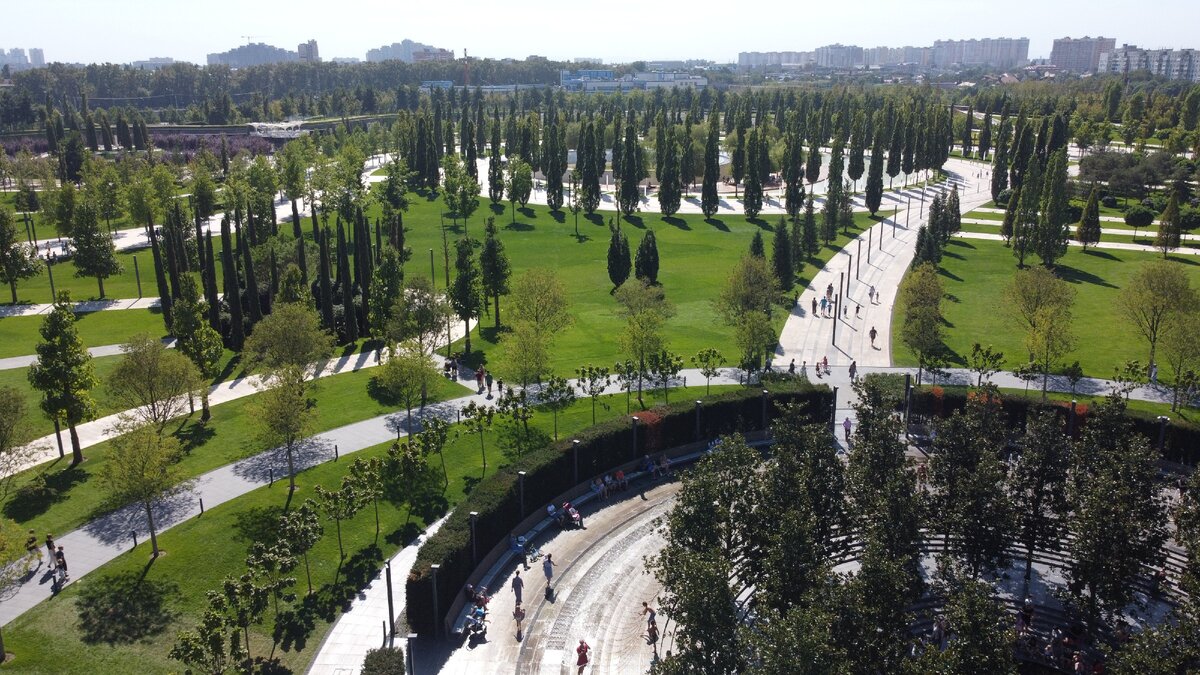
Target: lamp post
[575,455]
[432,276]
[433,568]
[387,571]
[474,515]
[521,489]
[765,395]
[697,419]
[412,661]
[634,421]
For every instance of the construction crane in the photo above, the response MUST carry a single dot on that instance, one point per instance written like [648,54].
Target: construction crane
[251,37]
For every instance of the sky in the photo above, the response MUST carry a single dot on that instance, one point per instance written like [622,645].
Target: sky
[120,31]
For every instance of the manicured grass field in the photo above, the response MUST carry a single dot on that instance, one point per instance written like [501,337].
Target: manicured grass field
[231,435]
[696,256]
[975,274]
[54,638]
[19,335]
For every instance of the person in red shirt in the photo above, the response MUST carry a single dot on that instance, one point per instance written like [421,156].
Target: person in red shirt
[582,650]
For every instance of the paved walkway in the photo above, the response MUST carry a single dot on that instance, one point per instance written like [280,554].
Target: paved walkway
[1103,219]
[1108,245]
[1116,231]
[83,307]
[14,362]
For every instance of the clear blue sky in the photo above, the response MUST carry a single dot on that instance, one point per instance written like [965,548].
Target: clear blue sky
[120,31]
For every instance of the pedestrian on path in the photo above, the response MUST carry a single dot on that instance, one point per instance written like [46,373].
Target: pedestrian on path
[792,367]
[518,585]
[846,426]
[1153,373]
[824,304]
[519,617]
[857,310]
[487,377]
[582,652]
[873,333]
[853,370]
[548,566]
[60,564]
[871,293]
[649,613]
[50,545]
[804,369]
[479,380]
[814,305]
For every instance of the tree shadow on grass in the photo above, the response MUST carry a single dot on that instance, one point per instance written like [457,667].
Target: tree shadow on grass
[949,275]
[558,216]
[1077,276]
[594,218]
[403,536]
[677,222]
[124,608]
[635,221]
[294,625]
[717,223]
[519,227]
[760,223]
[470,483]
[1097,253]
[260,523]
[1186,260]
[43,490]
[527,212]
[959,243]
[193,435]
[497,208]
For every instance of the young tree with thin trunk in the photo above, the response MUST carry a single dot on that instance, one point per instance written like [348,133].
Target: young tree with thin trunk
[1168,237]
[494,268]
[285,414]
[289,337]
[154,384]
[64,372]
[141,469]
[920,298]
[477,419]
[338,505]
[1041,303]
[407,375]
[18,260]
[301,529]
[95,253]
[593,380]
[1156,296]
[709,361]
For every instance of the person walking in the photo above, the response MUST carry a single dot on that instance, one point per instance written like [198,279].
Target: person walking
[873,333]
[792,367]
[50,545]
[487,377]
[853,370]
[846,426]
[518,585]
[519,617]
[582,653]
[60,564]
[479,380]
[548,566]
[871,294]
[857,310]
[824,304]
[649,613]
[814,305]
[804,369]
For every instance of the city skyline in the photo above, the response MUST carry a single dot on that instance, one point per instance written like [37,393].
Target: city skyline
[73,37]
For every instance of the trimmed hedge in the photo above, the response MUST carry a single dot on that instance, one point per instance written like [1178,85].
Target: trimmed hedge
[1181,442]
[550,472]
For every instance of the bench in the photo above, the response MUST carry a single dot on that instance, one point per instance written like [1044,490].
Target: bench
[496,572]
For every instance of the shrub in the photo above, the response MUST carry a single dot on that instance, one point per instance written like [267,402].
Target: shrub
[1109,202]
[384,661]
[1003,197]
[1189,218]
[1074,213]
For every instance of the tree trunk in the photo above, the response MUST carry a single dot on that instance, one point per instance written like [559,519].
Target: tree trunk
[292,474]
[467,325]
[205,414]
[76,450]
[100,280]
[496,299]
[308,572]
[12,285]
[341,550]
[150,523]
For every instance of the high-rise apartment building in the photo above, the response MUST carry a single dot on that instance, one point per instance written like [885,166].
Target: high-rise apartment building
[37,58]
[409,52]
[307,51]
[254,54]
[1080,55]
[1173,64]
[988,52]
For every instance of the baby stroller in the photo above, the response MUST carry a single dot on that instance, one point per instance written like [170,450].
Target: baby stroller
[531,552]
[572,515]
[477,622]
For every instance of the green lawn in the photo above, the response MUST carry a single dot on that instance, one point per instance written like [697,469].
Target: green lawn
[975,273]
[19,334]
[1145,236]
[696,256]
[54,638]
[231,435]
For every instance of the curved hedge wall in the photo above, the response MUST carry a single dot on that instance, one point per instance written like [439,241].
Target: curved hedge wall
[550,472]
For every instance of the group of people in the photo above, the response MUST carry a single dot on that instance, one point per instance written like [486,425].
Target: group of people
[58,558]
[611,482]
[483,378]
[660,468]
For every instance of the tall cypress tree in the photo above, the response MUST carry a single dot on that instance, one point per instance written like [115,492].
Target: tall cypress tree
[811,244]
[1050,240]
[619,258]
[834,193]
[349,316]
[781,256]
[895,151]
[233,291]
[709,201]
[1026,223]
[210,285]
[669,189]
[325,286]
[793,172]
[753,199]
[495,170]
[855,164]
[1000,164]
[908,157]
[646,263]
[985,137]
[253,300]
[812,168]
[874,196]
[628,195]
[968,137]
[164,293]
[687,158]
[1088,231]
